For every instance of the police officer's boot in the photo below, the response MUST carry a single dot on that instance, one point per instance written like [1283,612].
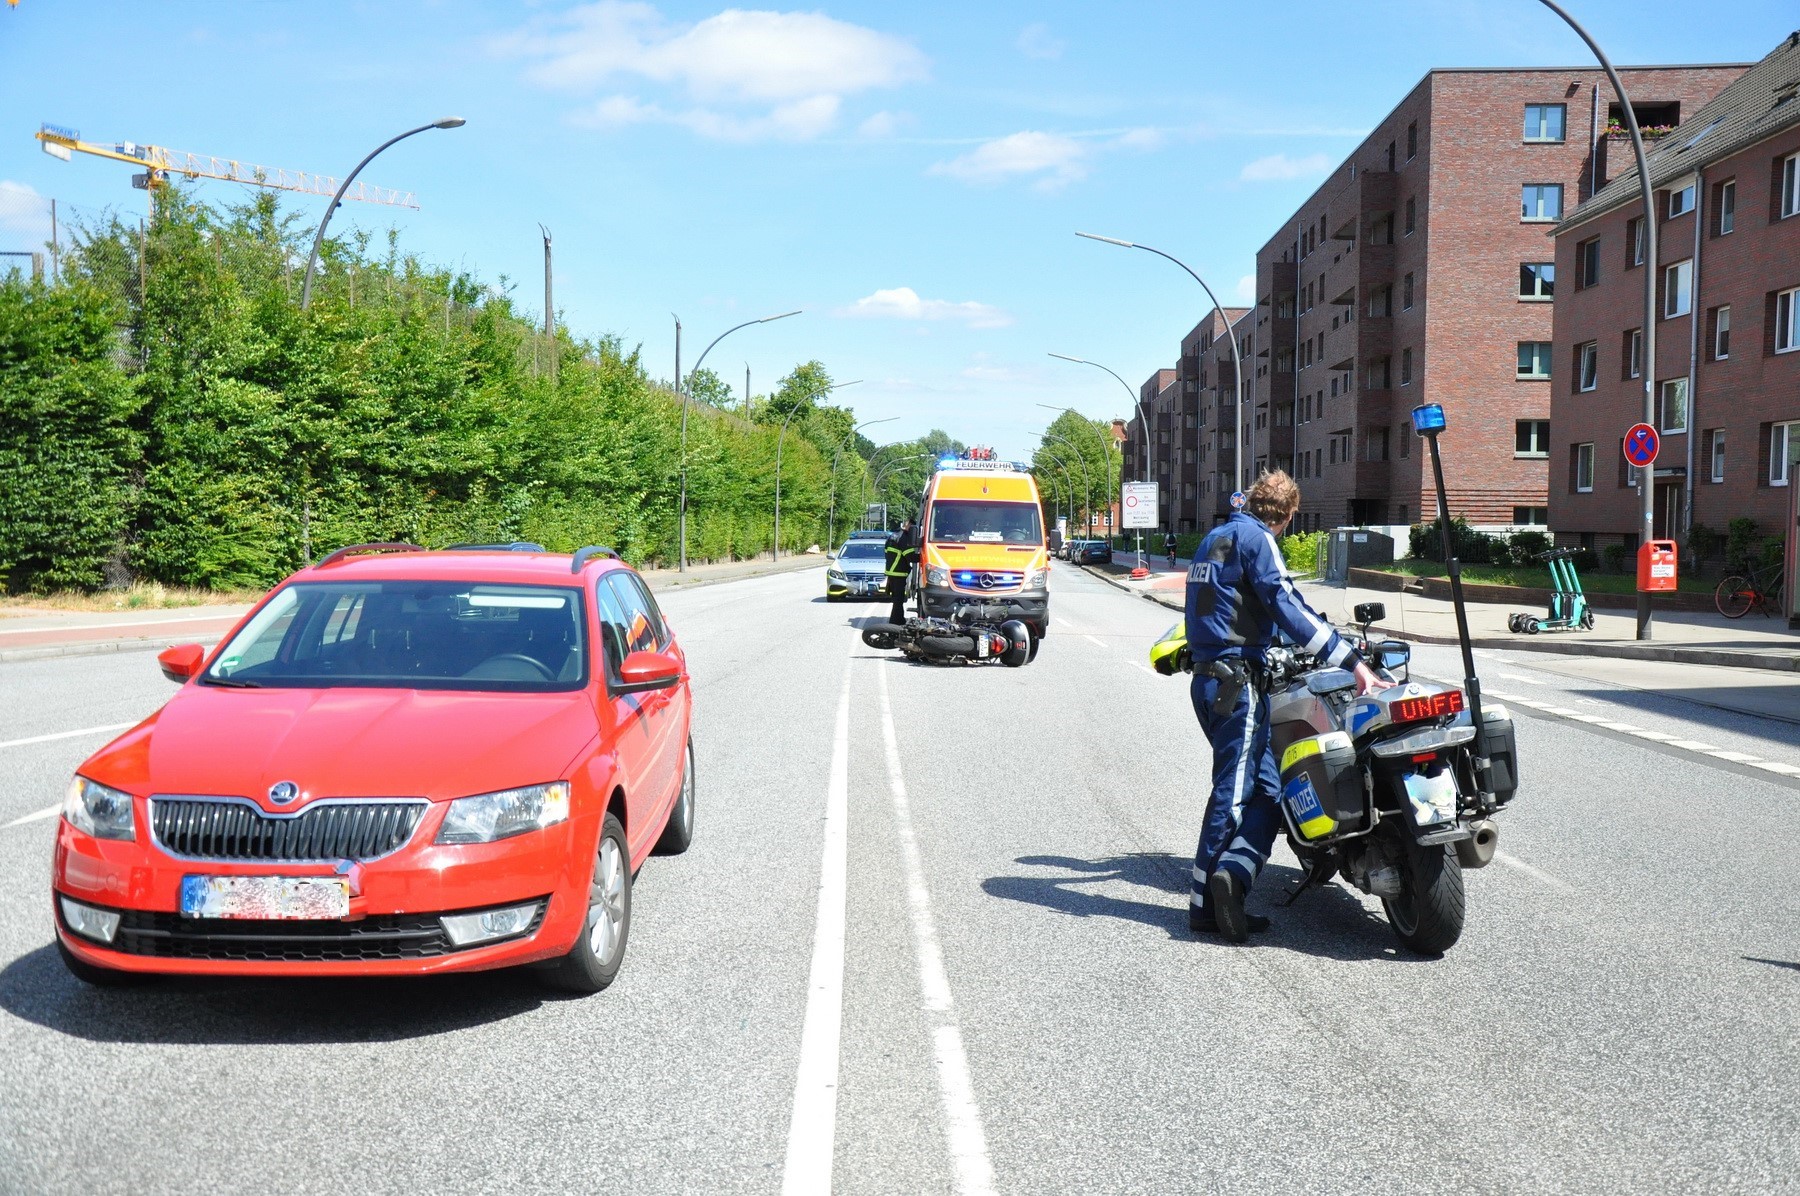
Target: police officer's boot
[1225,893]
[1201,920]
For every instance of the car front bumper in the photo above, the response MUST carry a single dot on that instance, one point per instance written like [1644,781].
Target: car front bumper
[393,926]
[856,585]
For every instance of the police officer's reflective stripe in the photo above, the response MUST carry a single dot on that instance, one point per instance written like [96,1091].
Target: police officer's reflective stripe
[1238,796]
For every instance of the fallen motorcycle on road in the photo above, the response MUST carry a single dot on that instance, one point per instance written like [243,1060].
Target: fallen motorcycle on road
[963,641]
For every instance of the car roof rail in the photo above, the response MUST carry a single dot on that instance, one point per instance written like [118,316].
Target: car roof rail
[350,550]
[510,546]
[584,555]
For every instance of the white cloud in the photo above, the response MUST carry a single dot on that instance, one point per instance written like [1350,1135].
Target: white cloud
[904,303]
[1053,158]
[1142,139]
[1036,41]
[884,124]
[1281,168]
[791,70]
[24,222]
[1246,289]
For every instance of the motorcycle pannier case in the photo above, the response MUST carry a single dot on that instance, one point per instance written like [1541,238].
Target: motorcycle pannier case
[1321,787]
[1498,745]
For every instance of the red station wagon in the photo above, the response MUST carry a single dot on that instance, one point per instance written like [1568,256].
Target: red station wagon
[400,762]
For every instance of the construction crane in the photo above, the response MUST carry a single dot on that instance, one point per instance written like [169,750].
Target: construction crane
[159,163]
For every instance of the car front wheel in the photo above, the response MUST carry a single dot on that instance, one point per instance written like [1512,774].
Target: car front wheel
[678,832]
[593,962]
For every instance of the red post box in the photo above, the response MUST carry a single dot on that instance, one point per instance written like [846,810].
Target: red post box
[1656,566]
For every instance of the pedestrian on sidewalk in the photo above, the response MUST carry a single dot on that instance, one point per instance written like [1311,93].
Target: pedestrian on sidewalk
[1238,590]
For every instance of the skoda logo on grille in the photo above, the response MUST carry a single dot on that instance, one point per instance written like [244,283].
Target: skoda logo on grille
[283,792]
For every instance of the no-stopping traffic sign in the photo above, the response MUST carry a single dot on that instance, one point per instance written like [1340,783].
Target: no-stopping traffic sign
[1641,444]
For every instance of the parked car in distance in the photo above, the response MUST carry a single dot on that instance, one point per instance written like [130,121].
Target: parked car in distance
[1091,552]
[857,570]
[399,762]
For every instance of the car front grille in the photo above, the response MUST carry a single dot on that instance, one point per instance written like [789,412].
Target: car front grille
[382,936]
[231,829]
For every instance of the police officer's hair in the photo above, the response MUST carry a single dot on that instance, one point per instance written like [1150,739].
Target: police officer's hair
[1273,498]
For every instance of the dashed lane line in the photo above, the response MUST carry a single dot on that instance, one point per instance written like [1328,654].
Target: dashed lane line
[1093,639]
[37,816]
[962,1118]
[812,1134]
[12,743]
[1518,865]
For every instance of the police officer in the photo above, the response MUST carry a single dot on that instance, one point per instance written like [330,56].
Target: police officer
[902,552]
[1238,591]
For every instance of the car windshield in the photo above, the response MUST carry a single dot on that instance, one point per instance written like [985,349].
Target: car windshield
[411,635]
[978,521]
[863,549]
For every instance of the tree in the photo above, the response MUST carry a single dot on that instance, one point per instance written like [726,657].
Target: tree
[802,388]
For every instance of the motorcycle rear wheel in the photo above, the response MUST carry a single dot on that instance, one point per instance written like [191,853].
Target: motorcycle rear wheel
[1427,916]
[882,635]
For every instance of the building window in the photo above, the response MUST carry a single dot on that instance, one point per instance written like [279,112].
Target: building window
[1545,122]
[1634,242]
[1681,202]
[1531,438]
[1542,201]
[1587,366]
[1531,516]
[1587,255]
[1391,158]
[1633,353]
[1381,301]
[1725,204]
[1584,468]
[1780,436]
[1412,141]
[1716,451]
[1537,280]
[1672,405]
[1678,289]
[1790,186]
[1412,211]
[1406,367]
[1534,359]
[1381,374]
[1721,336]
[1787,321]
[1406,293]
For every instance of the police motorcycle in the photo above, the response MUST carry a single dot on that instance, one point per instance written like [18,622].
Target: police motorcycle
[1395,791]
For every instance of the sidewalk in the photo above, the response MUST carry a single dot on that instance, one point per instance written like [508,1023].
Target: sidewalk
[1685,637]
[35,634]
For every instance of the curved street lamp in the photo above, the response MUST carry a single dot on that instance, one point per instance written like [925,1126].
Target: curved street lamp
[1136,408]
[686,389]
[1647,475]
[1087,481]
[776,552]
[1068,482]
[1237,366]
[1106,477]
[831,525]
[881,476]
[312,260]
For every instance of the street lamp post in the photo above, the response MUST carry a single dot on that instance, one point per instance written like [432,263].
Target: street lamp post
[872,472]
[1068,482]
[1137,408]
[1646,475]
[1237,366]
[1106,477]
[686,390]
[776,552]
[881,476]
[1087,483]
[831,526]
[312,260]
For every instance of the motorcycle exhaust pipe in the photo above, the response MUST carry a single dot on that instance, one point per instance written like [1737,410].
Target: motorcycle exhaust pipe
[1477,851]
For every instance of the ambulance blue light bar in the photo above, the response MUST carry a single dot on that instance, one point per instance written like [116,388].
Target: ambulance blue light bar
[1428,419]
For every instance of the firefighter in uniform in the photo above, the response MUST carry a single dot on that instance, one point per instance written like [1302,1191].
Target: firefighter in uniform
[902,552]
[1238,591]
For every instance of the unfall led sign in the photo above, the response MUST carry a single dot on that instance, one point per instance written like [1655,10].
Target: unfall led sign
[1140,505]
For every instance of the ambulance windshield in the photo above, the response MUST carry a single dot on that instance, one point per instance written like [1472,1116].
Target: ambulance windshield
[966,521]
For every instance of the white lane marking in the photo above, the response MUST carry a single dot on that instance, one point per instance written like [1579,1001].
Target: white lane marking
[1735,757]
[1693,745]
[1092,640]
[1619,726]
[46,812]
[1516,677]
[1787,770]
[1140,666]
[968,1142]
[812,1134]
[1500,857]
[1659,736]
[214,618]
[110,727]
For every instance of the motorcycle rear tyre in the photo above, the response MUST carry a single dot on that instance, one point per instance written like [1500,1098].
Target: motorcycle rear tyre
[1428,915]
[948,645]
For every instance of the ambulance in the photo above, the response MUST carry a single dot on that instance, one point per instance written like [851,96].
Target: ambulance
[982,555]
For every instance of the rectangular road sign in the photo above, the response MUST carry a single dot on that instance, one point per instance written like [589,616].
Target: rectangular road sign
[1140,505]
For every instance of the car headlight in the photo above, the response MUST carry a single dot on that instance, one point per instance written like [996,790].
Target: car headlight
[101,812]
[1037,579]
[834,575]
[490,816]
[937,575]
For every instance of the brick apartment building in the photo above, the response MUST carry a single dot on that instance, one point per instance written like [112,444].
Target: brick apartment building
[1420,271]
[1727,371]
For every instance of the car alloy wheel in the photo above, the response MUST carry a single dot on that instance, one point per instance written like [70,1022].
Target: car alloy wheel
[678,831]
[607,909]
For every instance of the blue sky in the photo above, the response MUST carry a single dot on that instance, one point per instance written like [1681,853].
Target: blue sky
[911,175]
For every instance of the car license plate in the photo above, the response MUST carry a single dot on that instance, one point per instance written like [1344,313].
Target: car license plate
[265,897]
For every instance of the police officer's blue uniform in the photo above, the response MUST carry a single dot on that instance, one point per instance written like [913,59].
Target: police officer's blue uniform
[1238,590]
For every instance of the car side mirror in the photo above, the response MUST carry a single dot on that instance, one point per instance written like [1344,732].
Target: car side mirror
[648,670]
[1370,612]
[831,556]
[182,661]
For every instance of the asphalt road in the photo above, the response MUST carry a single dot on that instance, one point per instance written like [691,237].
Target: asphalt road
[1019,1006]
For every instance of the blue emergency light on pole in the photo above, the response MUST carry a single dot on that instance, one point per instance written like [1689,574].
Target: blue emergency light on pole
[1428,421]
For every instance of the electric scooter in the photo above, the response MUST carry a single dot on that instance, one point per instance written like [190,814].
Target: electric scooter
[1569,609]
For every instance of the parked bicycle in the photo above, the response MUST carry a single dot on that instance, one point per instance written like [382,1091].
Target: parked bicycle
[1752,589]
